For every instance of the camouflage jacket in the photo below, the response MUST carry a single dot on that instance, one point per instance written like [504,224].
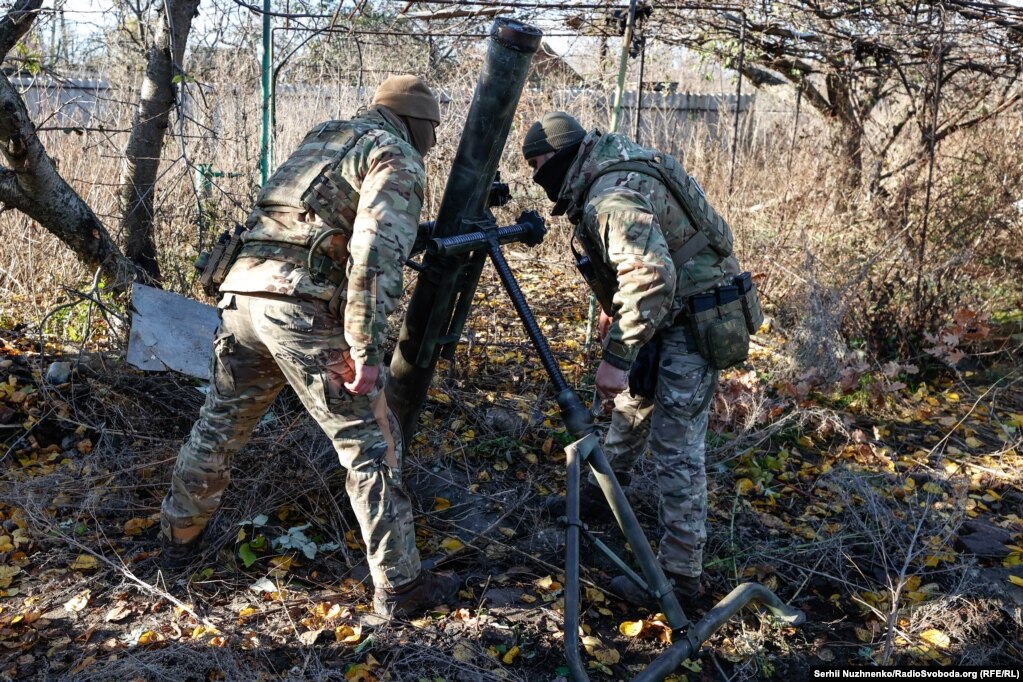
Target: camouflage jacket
[637,224]
[388,175]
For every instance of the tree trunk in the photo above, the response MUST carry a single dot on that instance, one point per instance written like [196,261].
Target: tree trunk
[149,128]
[31,183]
[849,133]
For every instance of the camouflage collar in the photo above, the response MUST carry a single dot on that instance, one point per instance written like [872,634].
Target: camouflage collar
[597,151]
[572,194]
[385,119]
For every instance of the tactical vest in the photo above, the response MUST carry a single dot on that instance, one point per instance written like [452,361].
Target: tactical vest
[311,180]
[711,228]
[721,316]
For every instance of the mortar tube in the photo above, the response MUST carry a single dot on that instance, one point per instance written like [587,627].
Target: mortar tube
[466,294]
[511,49]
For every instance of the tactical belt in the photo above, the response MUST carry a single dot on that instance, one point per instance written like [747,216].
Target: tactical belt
[323,267]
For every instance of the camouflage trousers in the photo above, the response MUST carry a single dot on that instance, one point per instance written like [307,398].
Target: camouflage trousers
[674,424]
[263,342]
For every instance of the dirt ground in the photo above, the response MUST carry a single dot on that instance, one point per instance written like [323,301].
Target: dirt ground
[886,506]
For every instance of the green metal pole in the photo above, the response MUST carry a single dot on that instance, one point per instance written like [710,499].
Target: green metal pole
[616,113]
[264,144]
[623,63]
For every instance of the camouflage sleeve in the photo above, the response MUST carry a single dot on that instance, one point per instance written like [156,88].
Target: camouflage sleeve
[639,254]
[390,200]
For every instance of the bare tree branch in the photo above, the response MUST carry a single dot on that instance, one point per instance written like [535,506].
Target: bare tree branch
[17,23]
[32,185]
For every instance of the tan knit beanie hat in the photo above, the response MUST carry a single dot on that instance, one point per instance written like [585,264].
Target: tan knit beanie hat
[408,96]
[556,130]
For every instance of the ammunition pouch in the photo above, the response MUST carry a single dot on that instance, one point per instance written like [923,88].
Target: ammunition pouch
[722,319]
[213,266]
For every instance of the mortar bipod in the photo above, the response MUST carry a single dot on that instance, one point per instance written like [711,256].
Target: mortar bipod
[578,421]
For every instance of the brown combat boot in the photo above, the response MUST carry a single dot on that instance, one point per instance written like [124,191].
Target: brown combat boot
[429,590]
[178,556]
[687,588]
[593,506]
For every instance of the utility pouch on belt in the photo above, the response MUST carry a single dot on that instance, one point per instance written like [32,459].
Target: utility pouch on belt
[750,302]
[643,373]
[213,265]
[722,319]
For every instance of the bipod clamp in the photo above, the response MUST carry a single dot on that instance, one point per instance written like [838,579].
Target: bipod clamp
[579,422]
[529,229]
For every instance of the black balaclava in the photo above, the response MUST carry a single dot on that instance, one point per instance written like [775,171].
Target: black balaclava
[551,175]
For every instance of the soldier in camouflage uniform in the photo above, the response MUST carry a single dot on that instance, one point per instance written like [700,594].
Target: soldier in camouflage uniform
[638,233]
[351,194]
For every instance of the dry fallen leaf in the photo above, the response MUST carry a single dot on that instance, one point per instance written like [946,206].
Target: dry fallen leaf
[348,634]
[150,637]
[631,628]
[509,657]
[78,602]
[118,612]
[7,574]
[137,525]
[937,638]
[451,545]
[309,637]
[84,562]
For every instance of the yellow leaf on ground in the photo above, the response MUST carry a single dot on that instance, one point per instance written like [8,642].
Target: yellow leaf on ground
[528,598]
[545,583]
[596,648]
[509,657]
[84,562]
[743,486]
[631,628]
[348,634]
[451,545]
[937,638]
[150,637]
[79,601]
[360,672]
[594,595]
[1016,580]
[282,563]
[248,611]
[440,503]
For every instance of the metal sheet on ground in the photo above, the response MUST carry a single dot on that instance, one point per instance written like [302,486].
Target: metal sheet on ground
[170,332]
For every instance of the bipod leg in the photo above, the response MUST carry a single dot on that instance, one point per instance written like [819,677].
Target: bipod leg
[657,584]
[579,422]
[573,527]
[670,660]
